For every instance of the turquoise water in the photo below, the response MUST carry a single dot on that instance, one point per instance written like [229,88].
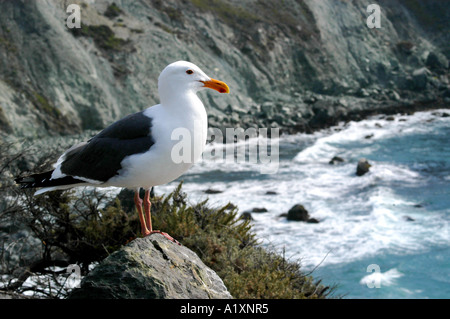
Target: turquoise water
[395,218]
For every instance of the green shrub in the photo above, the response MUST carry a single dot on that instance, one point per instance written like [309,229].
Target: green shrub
[227,245]
[102,35]
[113,11]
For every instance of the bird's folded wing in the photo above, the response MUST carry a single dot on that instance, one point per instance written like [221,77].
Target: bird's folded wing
[100,158]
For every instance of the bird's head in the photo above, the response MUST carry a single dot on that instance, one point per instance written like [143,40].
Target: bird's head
[186,76]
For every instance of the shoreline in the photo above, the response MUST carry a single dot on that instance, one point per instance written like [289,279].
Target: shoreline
[408,108]
[55,144]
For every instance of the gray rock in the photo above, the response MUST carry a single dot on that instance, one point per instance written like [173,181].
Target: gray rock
[268,109]
[298,213]
[280,119]
[312,221]
[335,160]
[152,268]
[394,96]
[436,61]
[363,93]
[362,167]
[420,78]
[213,191]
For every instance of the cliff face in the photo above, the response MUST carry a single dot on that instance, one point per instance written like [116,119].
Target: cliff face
[293,64]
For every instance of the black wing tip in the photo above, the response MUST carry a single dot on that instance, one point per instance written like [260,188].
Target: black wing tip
[45,180]
[25,182]
[24,179]
[34,180]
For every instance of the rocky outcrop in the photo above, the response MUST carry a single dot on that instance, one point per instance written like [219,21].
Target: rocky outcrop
[299,213]
[362,167]
[299,65]
[152,268]
[335,160]
[259,210]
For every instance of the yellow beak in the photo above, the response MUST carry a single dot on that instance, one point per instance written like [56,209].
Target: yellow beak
[217,85]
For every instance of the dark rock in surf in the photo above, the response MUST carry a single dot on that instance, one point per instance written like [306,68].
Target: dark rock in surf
[298,213]
[259,210]
[362,167]
[336,160]
[213,191]
[246,216]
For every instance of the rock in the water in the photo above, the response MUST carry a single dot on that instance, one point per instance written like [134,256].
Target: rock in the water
[335,160]
[312,221]
[213,191]
[152,268]
[363,167]
[246,216]
[259,210]
[298,213]
[271,193]
[443,114]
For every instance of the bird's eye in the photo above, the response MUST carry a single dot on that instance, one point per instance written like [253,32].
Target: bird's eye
[189,72]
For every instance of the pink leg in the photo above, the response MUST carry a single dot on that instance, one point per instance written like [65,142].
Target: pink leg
[148,219]
[138,203]
[147,208]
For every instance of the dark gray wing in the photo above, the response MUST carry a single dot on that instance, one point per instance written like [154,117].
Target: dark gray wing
[99,159]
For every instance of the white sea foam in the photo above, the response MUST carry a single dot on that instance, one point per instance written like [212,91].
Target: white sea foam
[380,279]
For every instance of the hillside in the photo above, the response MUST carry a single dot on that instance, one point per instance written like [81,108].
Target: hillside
[297,65]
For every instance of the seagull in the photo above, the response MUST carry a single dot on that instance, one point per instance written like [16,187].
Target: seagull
[141,150]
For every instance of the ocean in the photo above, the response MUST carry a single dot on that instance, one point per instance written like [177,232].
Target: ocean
[385,234]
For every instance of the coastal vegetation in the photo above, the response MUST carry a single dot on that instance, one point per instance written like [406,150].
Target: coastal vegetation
[42,235]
